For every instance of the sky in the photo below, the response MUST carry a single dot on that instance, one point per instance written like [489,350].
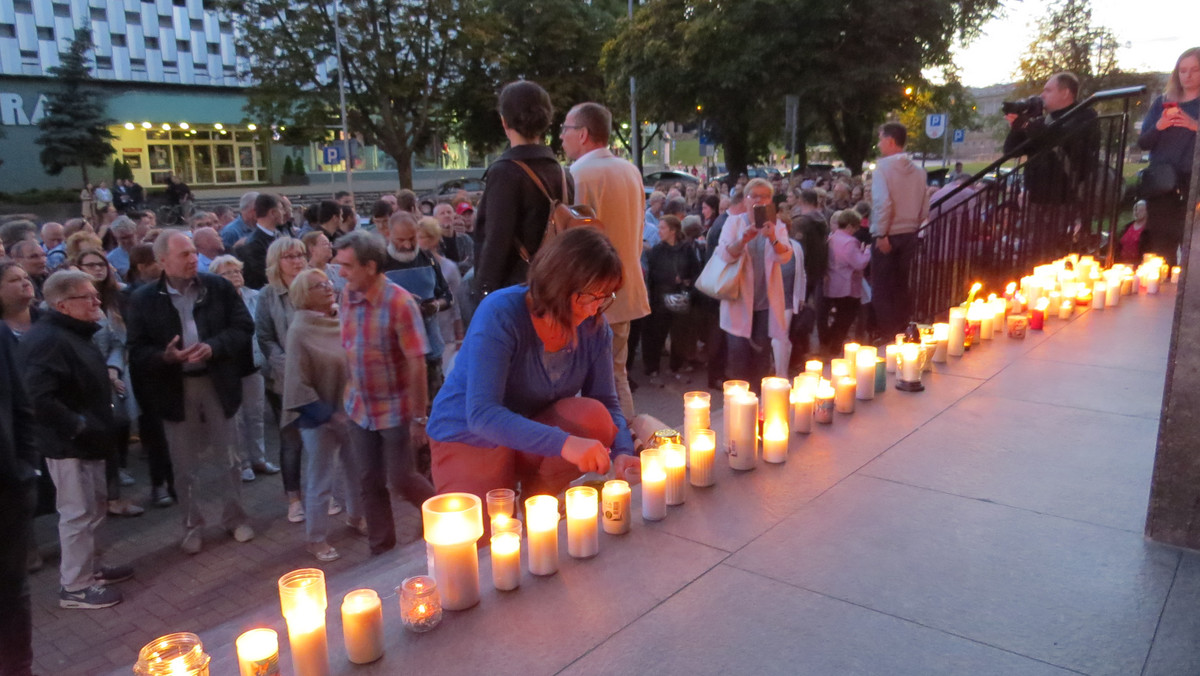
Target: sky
[1151,36]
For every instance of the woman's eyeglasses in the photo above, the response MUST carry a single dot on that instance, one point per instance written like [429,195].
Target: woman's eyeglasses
[605,300]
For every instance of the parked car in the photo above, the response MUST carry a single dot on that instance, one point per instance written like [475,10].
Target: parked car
[655,177]
[448,189]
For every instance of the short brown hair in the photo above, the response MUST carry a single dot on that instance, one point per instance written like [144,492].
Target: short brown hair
[895,131]
[1067,80]
[526,108]
[581,259]
[596,119]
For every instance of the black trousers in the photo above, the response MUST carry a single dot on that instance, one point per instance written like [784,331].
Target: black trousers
[16,618]
[844,311]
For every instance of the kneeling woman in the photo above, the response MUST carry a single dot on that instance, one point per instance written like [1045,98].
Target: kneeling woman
[508,414]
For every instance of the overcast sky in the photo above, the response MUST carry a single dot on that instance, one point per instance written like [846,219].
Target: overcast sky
[1151,33]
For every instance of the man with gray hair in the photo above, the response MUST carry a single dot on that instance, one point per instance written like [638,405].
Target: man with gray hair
[29,255]
[386,397]
[208,246]
[15,231]
[240,227]
[189,343]
[69,390]
[125,232]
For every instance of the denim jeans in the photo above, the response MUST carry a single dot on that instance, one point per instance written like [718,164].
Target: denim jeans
[325,451]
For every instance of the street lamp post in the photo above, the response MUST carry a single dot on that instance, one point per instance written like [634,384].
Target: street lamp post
[337,34]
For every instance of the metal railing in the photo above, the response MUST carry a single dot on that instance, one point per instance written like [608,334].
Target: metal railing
[1004,220]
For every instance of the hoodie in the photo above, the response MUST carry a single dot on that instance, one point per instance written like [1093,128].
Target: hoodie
[898,200]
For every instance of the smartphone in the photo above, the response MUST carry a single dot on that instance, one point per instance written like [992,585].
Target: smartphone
[1167,105]
[760,215]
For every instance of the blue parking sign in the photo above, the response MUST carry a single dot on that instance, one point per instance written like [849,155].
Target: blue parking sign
[333,154]
[960,135]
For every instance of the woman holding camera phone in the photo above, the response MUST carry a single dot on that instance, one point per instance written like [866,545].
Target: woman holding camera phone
[760,240]
[1169,133]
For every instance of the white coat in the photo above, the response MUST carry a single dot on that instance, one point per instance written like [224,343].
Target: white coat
[737,317]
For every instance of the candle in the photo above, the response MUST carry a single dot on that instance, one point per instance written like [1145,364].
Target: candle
[775,441]
[909,377]
[500,501]
[844,392]
[696,407]
[957,333]
[732,389]
[1175,274]
[654,486]
[838,369]
[505,524]
[864,371]
[541,523]
[1152,282]
[615,496]
[849,350]
[258,653]
[674,458]
[776,396]
[941,342]
[362,626]
[453,523]
[802,412]
[700,457]
[420,603]
[1099,295]
[506,561]
[1112,290]
[814,366]
[890,353]
[1037,318]
[583,533]
[303,602]
[1064,309]
[823,408]
[1016,326]
[178,654]
[985,323]
[880,375]
[743,435]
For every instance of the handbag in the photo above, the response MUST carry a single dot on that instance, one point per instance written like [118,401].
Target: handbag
[721,280]
[1157,180]
[679,303]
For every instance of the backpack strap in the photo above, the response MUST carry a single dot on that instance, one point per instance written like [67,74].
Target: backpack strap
[537,181]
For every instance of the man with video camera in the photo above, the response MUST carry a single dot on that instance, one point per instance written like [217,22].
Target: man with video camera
[1061,160]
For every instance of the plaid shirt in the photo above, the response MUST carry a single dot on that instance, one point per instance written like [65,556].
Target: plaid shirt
[381,329]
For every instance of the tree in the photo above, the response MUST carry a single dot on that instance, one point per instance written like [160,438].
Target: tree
[1067,40]
[400,58]
[925,99]
[74,132]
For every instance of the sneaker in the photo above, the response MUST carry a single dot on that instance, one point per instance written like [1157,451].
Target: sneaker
[159,497]
[248,474]
[125,477]
[243,533]
[296,511]
[92,597]
[192,542]
[324,552]
[124,508]
[335,507]
[113,574]
[265,468]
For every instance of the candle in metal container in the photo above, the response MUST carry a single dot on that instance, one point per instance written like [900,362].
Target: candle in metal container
[258,653]
[541,523]
[583,529]
[453,524]
[615,496]
[654,486]
[420,603]
[700,455]
[362,626]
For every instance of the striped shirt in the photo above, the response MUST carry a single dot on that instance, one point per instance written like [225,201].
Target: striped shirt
[381,329]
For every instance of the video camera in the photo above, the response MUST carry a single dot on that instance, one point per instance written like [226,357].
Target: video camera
[1030,107]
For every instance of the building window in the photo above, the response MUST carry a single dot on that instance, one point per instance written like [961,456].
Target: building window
[197,25]
[151,43]
[137,65]
[62,10]
[104,62]
[118,40]
[184,46]
[45,33]
[98,14]
[23,7]
[7,30]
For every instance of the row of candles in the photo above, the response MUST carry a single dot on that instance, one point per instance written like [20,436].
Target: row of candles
[453,522]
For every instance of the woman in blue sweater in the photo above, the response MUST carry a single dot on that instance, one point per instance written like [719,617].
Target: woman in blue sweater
[508,413]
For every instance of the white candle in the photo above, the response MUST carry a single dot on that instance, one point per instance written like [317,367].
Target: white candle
[844,392]
[541,523]
[823,408]
[1175,274]
[1064,309]
[1112,290]
[1152,282]
[864,371]
[362,626]
[849,350]
[814,366]
[732,390]
[306,637]
[910,362]
[775,441]
[1099,295]
[696,416]
[675,462]
[506,561]
[956,333]
[616,505]
[700,454]
[583,533]
[776,395]
[258,653]
[985,324]
[890,353]
[654,486]
[743,435]
[453,523]
[802,415]
[838,369]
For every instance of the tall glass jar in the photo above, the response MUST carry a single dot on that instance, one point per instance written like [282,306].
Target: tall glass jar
[180,654]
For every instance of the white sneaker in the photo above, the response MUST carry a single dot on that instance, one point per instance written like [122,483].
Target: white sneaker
[243,533]
[296,512]
[248,474]
[334,507]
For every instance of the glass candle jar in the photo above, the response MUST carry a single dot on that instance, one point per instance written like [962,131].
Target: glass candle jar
[420,603]
[501,501]
[180,654]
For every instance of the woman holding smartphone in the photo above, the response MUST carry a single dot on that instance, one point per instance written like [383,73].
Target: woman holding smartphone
[1169,133]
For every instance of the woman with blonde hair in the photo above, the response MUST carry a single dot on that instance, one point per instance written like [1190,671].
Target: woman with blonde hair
[286,258]
[429,236]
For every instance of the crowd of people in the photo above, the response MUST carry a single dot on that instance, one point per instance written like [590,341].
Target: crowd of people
[480,330]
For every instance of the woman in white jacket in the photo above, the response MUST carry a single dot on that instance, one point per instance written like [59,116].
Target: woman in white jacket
[759,314]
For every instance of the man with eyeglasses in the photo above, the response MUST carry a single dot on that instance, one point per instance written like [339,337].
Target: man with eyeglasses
[29,255]
[189,344]
[69,390]
[253,253]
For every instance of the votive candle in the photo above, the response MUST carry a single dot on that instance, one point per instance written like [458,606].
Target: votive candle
[775,441]
[823,408]
[654,486]
[615,496]
[541,523]
[864,371]
[743,436]
[700,454]
[258,653]
[506,561]
[583,532]
[362,626]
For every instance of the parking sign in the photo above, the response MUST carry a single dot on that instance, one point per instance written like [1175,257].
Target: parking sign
[960,135]
[333,154]
[935,125]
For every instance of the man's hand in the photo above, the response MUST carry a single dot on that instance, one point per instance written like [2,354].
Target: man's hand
[173,354]
[1010,118]
[416,432]
[884,245]
[628,468]
[588,455]
[199,353]
[769,232]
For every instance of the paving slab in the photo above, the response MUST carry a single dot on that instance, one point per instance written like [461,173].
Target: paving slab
[734,622]
[1175,645]
[1075,595]
[1069,462]
[1091,387]
[1133,336]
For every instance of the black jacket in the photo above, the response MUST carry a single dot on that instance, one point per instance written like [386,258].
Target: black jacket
[67,381]
[18,449]
[1060,160]
[671,269]
[253,255]
[514,210]
[222,321]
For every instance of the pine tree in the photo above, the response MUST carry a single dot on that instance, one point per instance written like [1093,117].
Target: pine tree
[74,131]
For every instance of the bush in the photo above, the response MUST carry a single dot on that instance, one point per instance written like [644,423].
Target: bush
[299,167]
[288,169]
[36,196]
